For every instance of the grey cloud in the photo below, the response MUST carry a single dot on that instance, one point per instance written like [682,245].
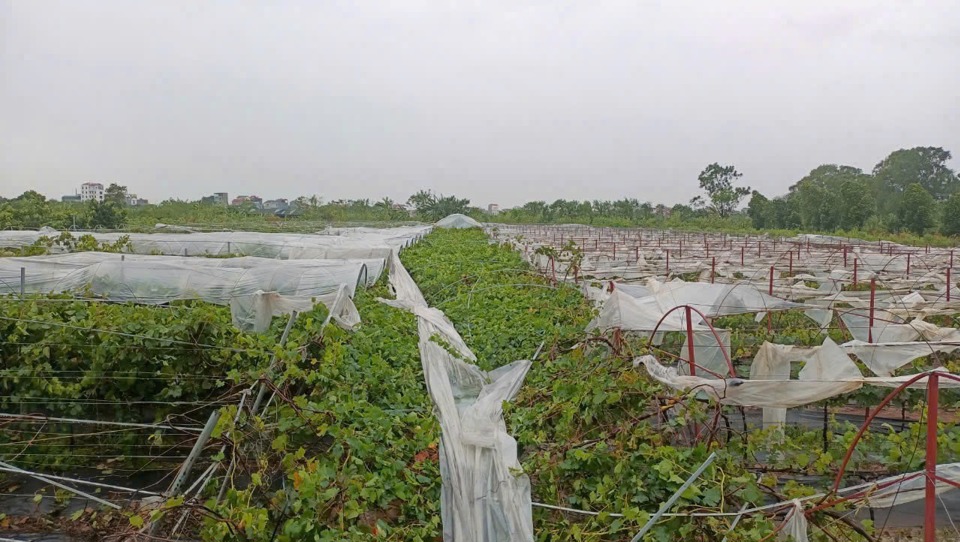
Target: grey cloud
[496,101]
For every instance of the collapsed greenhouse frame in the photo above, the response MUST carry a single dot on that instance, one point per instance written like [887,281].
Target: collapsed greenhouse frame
[886,326]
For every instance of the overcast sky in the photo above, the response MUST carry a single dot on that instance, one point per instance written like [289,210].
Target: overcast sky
[498,101]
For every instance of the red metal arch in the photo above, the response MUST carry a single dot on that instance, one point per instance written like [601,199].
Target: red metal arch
[689,309]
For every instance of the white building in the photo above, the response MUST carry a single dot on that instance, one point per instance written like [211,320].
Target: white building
[493,208]
[133,200]
[91,192]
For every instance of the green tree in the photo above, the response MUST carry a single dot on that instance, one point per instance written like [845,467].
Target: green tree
[758,209]
[115,193]
[917,209]
[785,213]
[950,222]
[432,207]
[923,165]
[834,196]
[108,214]
[718,182]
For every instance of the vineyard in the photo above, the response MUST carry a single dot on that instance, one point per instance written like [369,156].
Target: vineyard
[508,383]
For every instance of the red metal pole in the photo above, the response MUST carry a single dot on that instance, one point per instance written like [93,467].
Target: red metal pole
[908,264]
[758,249]
[741,256]
[689,316]
[713,269]
[844,257]
[930,497]
[948,285]
[771,280]
[855,271]
[873,297]
[790,270]
[681,249]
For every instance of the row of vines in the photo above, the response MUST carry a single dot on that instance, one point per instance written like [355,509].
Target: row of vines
[347,448]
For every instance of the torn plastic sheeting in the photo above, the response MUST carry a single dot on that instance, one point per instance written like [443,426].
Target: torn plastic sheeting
[707,352]
[741,392]
[405,290]
[909,487]
[884,331]
[795,526]
[255,312]
[628,313]
[774,393]
[714,299]
[482,497]
[885,358]
[821,363]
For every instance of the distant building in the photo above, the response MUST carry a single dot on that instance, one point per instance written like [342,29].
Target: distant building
[257,201]
[221,198]
[493,208]
[134,201]
[71,198]
[91,192]
[275,204]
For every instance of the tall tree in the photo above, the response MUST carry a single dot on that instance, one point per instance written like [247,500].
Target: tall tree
[917,209]
[115,193]
[923,165]
[718,182]
[950,221]
[833,196]
[758,209]
[108,214]
[432,207]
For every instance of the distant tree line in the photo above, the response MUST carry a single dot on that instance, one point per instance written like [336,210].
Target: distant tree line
[911,190]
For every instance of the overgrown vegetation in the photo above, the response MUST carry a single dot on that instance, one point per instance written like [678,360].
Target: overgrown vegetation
[348,448]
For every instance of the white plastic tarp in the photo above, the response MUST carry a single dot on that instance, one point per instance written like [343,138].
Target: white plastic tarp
[458,221]
[256,289]
[483,498]
[885,358]
[366,244]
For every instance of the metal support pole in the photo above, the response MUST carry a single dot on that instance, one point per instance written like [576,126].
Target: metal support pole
[741,256]
[283,341]
[668,262]
[194,453]
[855,271]
[844,257]
[873,302]
[58,484]
[908,264]
[713,269]
[948,285]
[188,464]
[771,281]
[23,281]
[736,520]
[673,498]
[790,269]
[930,496]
